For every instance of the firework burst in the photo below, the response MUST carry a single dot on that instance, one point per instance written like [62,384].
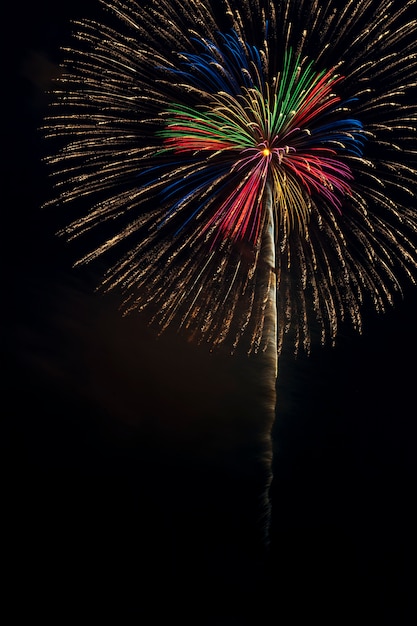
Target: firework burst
[188,129]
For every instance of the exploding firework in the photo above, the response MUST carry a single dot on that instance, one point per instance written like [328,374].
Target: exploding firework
[188,130]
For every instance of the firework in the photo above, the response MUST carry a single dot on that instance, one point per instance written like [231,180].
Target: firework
[178,119]
[245,170]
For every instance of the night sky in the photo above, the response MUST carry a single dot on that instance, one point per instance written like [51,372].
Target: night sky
[131,473]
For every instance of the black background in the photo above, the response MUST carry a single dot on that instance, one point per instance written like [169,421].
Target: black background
[130,481]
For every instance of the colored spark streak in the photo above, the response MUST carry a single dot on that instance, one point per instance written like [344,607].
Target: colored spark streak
[316,173]
[190,143]
[240,213]
[317,101]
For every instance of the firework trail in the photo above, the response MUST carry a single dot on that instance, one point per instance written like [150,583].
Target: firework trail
[246,169]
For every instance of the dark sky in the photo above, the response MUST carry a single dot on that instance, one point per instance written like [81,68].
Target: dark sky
[131,470]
